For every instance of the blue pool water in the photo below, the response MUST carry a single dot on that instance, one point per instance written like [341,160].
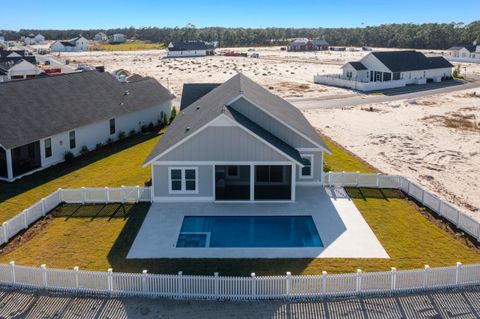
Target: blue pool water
[248,231]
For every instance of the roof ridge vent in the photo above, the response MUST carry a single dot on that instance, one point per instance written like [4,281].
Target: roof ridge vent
[187,129]
[198,107]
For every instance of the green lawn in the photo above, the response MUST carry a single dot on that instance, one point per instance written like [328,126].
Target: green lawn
[98,237]
[114,165]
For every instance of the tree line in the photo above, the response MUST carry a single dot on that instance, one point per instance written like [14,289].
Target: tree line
[406,35]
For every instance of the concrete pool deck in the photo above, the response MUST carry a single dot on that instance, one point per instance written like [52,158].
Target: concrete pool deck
[342,229]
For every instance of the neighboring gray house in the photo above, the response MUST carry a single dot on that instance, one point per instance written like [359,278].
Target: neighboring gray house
[235,142]
[43,118]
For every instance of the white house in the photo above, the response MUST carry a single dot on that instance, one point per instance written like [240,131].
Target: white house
[2,39]
[189,49]
[39,39]
[72,45]
[79,110]
[17,64]
[101,37]
[390,69]
[117,38]
[30,39]
[466,53]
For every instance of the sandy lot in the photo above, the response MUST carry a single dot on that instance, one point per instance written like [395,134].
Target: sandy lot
[433,140]
[419,139]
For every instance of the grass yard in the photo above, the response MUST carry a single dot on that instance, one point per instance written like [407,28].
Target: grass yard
[113,165]
[98,237]
[130,46]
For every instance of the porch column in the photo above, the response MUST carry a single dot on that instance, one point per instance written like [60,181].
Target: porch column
[252,182]
[293,183]
[9,164]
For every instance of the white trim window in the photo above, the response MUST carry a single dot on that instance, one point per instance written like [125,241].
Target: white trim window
[183,180]
[307,170]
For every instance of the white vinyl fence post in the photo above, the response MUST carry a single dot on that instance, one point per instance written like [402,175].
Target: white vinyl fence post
[288,284]
[457,273]
[393,282]
[76,269]
[60,195]
[110,279]
[324,283]
[357,175]
[180,285]
[5,231]
[425,276]
[25,219]
[44,275]
[458,218]
[254,285]
[378,180]
[44,210]
[83,195]
[215,275]
[144,282]
[138,193]
[123,194]
[359,281]
[107,195]
[12,272]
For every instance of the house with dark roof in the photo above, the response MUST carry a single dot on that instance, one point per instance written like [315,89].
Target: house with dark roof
[389,69]
[304,44]
[190,49]
[18,64]
[465,53]
[235,141]
[73,111]
[73,45]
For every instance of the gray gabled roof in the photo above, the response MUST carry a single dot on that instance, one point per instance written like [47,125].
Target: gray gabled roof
[402,61]
[359,66]
[193,91]
[211,105]
[188,46]
[40,107]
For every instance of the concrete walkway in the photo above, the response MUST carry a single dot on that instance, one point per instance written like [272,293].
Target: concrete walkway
[460,303]
[342,229]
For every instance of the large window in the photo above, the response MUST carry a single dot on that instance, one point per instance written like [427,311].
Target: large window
[73,142]
[269,174]
[48,147]
[183,180]
[112,126]
[396,76]
[307,170]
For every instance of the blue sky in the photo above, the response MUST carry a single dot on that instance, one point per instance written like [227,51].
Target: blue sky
[92,14]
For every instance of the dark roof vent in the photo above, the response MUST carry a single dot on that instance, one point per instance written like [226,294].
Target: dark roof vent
[126,92]
[121,103]
[198,107]
[187,129]
[183,113]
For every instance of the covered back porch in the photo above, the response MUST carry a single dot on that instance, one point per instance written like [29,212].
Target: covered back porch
[254,182]
[19,161]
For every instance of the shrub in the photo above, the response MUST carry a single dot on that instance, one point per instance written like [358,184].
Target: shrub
[144,129]
[109,141]
[99,145]
[84,149]
[68,156]
[165,120]
[150,126]
[326,167]
[173,114]
[121,135]
[132,133]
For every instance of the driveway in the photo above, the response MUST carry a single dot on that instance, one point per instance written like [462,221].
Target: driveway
[409,92]
[459,303]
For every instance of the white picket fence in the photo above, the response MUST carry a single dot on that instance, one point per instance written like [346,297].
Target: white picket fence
[83,195]
[460,219]
[181,286]
[237,288]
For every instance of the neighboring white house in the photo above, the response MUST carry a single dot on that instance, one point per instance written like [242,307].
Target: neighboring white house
[467,53]
[101,37]
[29,40]
[189,49]
[72,45]
[117,38]
[390,69]
[17,64]
[79,110]
[2,39]
[39,39]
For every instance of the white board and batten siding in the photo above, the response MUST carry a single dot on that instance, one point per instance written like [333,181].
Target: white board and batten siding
[186,53]
[92,134]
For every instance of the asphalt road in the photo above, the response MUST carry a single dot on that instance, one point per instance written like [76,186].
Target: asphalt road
[409,92]
[459,303]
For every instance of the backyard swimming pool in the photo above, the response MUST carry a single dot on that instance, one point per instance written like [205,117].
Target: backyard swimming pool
[248,231]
